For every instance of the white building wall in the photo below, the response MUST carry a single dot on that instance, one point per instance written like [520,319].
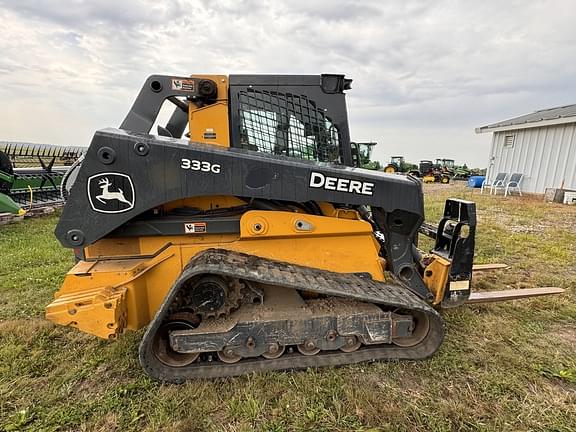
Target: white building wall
[545,155]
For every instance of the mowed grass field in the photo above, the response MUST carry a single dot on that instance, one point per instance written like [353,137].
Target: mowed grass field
[502,367]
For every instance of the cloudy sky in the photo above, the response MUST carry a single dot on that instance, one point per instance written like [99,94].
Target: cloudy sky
[426,73]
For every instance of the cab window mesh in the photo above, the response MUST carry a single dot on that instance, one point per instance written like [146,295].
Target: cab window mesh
[286,124]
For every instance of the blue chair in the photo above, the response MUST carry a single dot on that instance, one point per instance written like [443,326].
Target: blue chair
[514,183]
[498,181]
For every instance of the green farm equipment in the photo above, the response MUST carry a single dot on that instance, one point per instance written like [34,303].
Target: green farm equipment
[399,165]
[433,172]
[448,166]
[31,174]
[362,153]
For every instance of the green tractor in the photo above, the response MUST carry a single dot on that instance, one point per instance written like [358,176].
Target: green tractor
[399,165]
[446,165]
[457,172]
[362,153]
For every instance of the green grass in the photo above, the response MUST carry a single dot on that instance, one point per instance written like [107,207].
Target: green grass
[508,366]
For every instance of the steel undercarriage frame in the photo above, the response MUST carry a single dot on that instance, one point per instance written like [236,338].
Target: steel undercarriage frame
[393,296]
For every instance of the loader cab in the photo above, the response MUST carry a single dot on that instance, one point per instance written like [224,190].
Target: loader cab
[297,116]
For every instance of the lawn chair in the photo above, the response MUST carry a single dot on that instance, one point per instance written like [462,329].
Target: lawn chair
[514,183]
[498,181]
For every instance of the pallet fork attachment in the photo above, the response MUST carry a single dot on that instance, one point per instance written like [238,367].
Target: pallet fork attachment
[453,256]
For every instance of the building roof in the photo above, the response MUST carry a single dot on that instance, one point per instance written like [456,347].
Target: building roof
[545,117]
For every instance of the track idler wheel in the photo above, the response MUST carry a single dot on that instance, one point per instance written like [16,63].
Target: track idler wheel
[161,343]
[419,332]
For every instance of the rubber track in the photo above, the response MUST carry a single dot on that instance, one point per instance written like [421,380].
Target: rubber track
[253,268]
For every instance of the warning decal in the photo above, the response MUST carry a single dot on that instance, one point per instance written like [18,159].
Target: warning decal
[186,85]
[209,134]
[459,285]
[195,227]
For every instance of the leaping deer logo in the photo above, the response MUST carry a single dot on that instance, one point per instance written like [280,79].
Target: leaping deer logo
[106,195]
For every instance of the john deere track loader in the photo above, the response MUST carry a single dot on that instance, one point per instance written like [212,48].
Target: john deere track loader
[256,244]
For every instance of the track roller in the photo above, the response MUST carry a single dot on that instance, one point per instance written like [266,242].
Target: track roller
[351,344]
[308,348]
[274,351]
[228,355]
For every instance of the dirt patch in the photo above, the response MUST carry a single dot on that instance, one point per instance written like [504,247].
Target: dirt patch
[25,329]
[433,187]
[565,334]
[528,229]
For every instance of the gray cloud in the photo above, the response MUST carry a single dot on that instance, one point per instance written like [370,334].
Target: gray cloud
[425,73]
[86,13]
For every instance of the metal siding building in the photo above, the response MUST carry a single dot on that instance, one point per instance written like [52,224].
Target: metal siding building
[540,145]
